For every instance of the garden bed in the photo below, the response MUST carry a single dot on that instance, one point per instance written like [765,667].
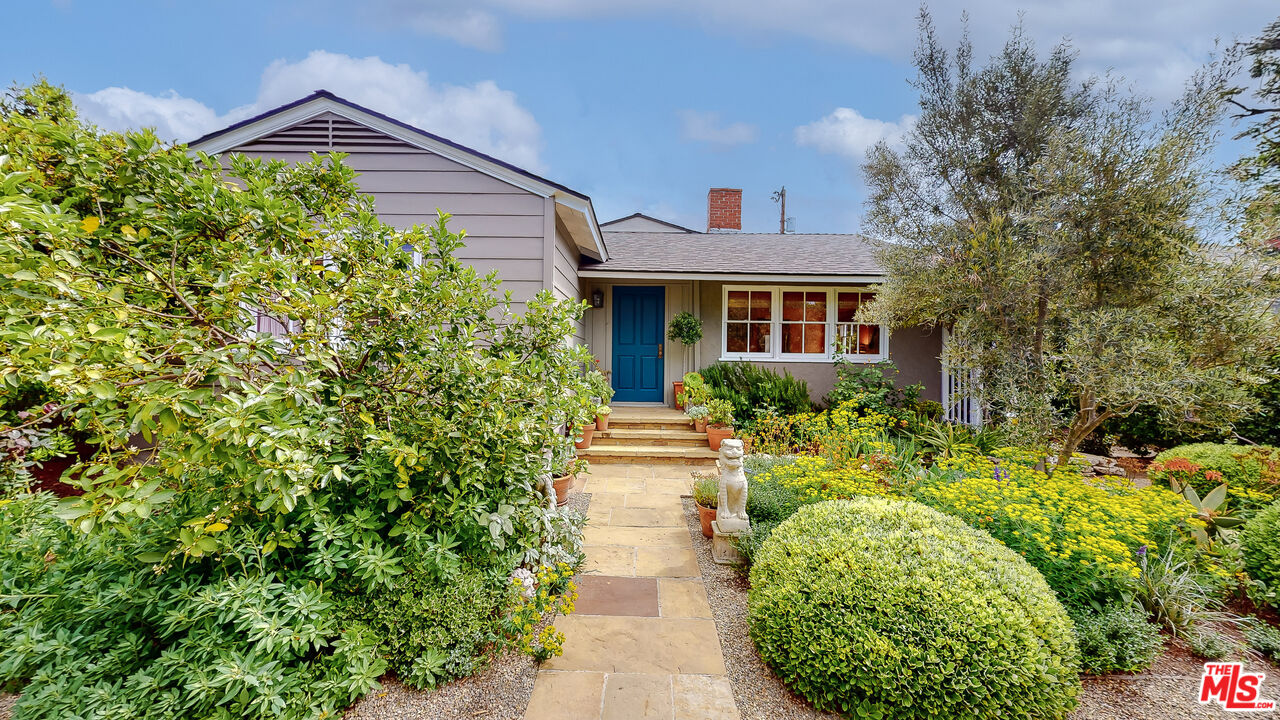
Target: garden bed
[501,691]
[1166,691]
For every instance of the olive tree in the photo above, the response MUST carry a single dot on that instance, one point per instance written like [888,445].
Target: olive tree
[1062,232]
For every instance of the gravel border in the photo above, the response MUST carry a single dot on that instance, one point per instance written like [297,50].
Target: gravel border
[501,691]
[1168,690]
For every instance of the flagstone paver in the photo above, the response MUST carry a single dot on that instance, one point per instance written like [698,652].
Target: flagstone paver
[641,642]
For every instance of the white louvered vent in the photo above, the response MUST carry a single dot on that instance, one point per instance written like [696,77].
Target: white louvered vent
[330,132]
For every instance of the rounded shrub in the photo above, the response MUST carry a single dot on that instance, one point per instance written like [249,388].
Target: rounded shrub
[1260,545]
[882,608]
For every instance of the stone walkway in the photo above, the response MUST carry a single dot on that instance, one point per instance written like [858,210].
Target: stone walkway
[641,643]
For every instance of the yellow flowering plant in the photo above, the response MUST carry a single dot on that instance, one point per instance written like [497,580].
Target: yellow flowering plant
[552,590]
[838,433]
[1084,535]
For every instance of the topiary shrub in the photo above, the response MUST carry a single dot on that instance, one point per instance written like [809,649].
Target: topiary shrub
[1118,638]
[877,607]
[1252,473]
[1260,546]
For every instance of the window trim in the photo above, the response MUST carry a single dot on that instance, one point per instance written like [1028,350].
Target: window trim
[775,323]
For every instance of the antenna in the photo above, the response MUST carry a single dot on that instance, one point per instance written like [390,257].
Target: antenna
[780,196]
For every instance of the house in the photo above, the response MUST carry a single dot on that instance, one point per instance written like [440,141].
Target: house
[785,301]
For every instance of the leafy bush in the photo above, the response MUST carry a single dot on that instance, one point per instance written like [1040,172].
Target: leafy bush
[751,389]
[1265,639]
[885,608]
[1252,474]
[874,388]
[432,629]
[1260,546]
[1082,535]
[400,425]
[1117,638]
[101,634]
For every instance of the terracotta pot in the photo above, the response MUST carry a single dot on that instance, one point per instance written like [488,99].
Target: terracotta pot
[587,432]
[602,422]
[677,387]
[707,516]
[562,485]
[700,424]
[717,434]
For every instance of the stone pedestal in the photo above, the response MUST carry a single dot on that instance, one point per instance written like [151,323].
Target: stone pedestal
[723,550]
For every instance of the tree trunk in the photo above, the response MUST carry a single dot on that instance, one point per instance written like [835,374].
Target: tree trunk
[1087,420]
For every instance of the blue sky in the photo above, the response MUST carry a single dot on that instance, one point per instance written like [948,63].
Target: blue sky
[642,104]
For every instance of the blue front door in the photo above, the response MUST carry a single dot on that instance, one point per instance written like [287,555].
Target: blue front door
[637,343]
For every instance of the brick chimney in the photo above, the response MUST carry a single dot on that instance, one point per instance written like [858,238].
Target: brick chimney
[724,209]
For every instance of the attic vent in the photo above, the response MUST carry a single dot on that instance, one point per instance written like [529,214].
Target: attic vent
[330,132]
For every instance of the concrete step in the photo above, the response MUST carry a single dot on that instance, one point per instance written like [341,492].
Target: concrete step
[652,438]
[647,455]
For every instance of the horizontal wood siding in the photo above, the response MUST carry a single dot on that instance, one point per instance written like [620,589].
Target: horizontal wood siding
[564,278]
[503,223]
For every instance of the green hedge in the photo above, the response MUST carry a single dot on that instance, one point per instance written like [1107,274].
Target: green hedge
[885,608]
[1252,473]
[1260,545]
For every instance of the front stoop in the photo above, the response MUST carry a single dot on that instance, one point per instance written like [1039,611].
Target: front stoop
[642,435]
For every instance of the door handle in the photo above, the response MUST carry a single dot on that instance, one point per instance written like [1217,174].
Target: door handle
[660,351]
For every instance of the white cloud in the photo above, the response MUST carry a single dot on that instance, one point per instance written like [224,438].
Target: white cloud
[706,127]
[173,116]
[1144,40]
[847,133]
[483,116]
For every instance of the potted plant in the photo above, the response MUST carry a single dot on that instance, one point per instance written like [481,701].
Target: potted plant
[602,417]
[698,414]
[583,435]
[565,466]
[601,390]
[685,328]
[719,422]
[706,489]
[693,390]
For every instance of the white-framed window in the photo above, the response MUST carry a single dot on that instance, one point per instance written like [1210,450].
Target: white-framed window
[793,323]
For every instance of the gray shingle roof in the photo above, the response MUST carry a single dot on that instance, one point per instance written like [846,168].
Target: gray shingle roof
[756,253]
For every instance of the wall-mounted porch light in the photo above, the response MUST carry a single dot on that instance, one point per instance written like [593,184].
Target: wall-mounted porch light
[597,298]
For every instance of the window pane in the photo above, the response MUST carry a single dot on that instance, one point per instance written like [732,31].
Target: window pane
[792,338]
[758,341]
[815,339]
[736,340]
[815,308]
[761,303]
[738,304]
[846,307]
[868,339]
[792,307]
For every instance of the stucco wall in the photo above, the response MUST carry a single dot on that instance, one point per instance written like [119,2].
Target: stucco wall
[915,351]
